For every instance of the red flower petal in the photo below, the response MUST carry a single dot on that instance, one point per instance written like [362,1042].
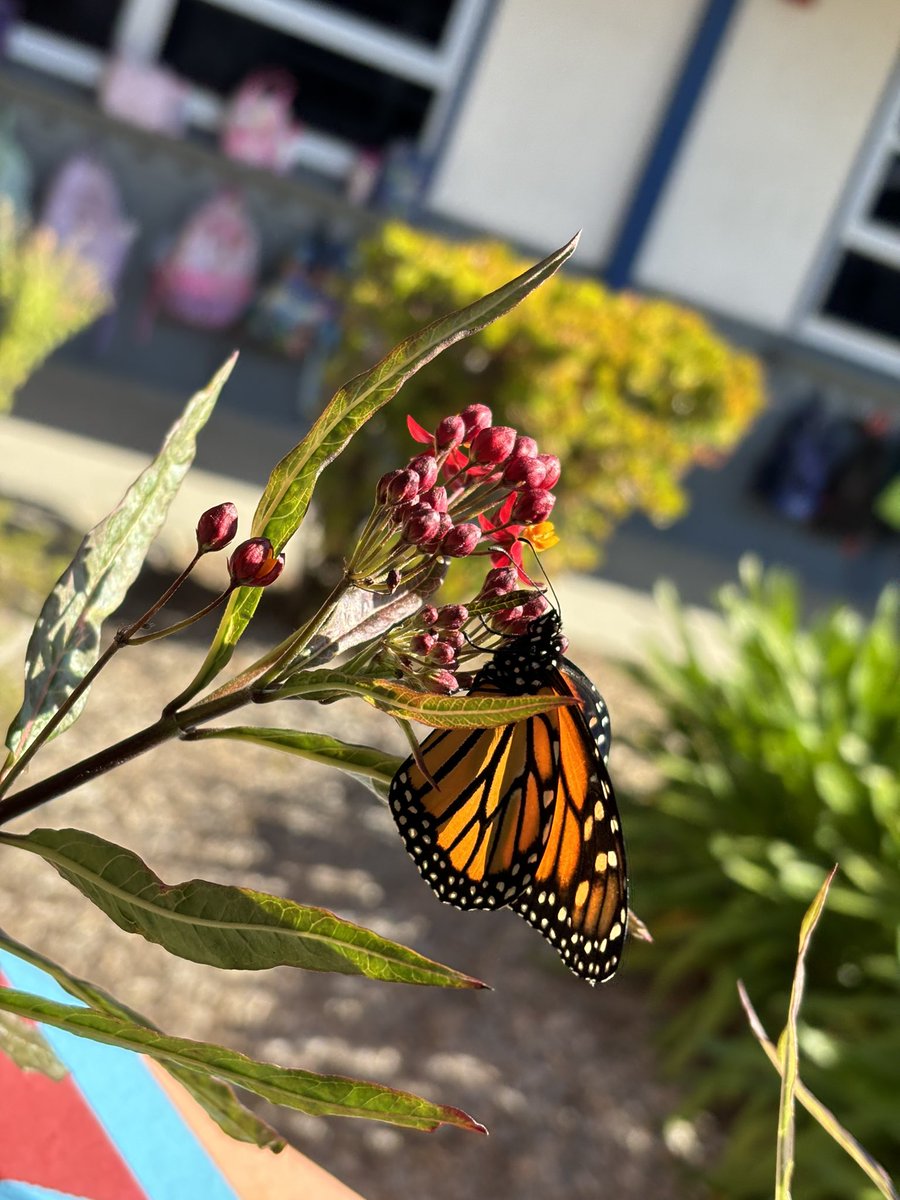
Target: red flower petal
[416,432]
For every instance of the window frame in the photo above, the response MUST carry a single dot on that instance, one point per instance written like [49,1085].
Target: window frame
[854,230]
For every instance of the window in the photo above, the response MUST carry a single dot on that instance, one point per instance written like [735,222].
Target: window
[369,72]
[853,305]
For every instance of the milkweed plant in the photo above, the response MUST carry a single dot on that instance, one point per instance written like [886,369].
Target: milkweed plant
[472,490]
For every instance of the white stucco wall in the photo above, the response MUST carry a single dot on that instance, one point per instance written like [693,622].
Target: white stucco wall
[757,184]
[554,124]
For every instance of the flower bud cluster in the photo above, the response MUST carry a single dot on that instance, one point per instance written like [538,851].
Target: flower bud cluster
[475,487]
[433,648]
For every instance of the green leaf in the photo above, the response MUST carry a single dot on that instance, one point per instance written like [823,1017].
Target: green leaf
[215,1097]
[225,926]
[65,642]
[826,1118]
[319,1095]
[441,712]
[27,1047]
[318,747]
[286,498]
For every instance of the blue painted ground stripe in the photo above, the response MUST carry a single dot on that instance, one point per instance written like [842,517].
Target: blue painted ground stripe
[11,1189]
[129,1104]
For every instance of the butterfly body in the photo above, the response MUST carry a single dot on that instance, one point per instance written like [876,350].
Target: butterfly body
[524,815]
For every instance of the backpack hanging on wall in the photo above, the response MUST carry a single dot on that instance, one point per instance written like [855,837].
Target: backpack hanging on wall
[258,126]
[208,276]
[83,207]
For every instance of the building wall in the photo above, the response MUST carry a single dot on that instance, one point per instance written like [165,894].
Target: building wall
[766,161]
[555,122]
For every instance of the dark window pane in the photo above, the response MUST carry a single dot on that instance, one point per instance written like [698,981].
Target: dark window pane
[336,95]
[886,207]
[866,293]
[88,21]
[422,19]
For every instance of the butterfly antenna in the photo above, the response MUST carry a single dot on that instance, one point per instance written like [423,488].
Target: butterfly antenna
[542,571]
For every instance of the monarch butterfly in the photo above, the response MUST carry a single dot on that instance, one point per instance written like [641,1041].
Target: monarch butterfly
[524,815]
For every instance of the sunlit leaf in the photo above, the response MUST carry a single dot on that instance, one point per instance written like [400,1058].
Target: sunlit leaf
[398,700]
[317,747]
[225,926]
[320,1095]
[65,642]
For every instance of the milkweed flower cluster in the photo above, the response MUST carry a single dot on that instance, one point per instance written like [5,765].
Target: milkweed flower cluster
[477,488]
[474,489]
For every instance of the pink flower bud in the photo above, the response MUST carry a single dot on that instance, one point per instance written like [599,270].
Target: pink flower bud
[532,505]
[554,469]
[437,497]
[255,564]
[452,616]
[428,615]
[455,638]
[536,607]
[494,444]
[510,620]
[421,526]
[461,540]
[217,527]
[443,653]
[399,486]
[449,433]
[422,643]
[446,524]
[475,418]
[500,580]
[528,472]
[525,447]
[442,680]
[426,467]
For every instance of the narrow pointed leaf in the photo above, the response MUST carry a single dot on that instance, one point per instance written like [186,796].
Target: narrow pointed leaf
[215,1097]
[225,926]
[826,1118]
[65,642]
[27,1047]
[441,712]
[318,747]
[286,498]
[320,1095]
[789,1052]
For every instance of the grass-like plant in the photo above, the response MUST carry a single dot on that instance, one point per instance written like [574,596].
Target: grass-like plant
[769,770]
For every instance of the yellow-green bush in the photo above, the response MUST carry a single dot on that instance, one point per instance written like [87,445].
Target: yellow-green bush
[629,392]
[47,295]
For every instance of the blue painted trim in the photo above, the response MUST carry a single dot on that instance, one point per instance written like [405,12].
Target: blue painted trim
[682,104]
[161,1151]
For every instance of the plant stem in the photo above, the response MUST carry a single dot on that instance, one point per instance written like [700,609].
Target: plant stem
[167,727]
[122,638]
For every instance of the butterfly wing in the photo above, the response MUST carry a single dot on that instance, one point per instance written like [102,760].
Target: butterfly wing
[477,827]
[579,898]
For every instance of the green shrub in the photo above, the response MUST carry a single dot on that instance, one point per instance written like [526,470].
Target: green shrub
[770,770]
[47,295]
[629,392]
